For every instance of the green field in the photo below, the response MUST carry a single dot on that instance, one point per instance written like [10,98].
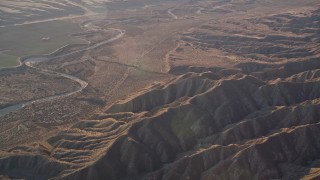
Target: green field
[8,61]
[27,39]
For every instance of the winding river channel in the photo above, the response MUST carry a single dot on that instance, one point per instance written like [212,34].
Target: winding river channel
[31,61]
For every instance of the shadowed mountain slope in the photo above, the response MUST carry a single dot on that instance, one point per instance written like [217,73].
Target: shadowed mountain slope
[258,119]
[204,125]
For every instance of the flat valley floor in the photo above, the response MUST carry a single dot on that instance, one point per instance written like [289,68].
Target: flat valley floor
[171,90]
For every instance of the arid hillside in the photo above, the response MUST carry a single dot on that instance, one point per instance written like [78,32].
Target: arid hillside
[210,90]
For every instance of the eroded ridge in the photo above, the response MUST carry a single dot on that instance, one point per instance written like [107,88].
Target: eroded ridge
[207,120]
[270,39]
[254,120]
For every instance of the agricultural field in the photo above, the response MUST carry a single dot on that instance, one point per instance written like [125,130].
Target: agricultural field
[8,60]
[39,38]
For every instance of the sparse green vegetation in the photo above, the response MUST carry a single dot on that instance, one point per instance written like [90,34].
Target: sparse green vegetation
[40,38]
[8,60]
